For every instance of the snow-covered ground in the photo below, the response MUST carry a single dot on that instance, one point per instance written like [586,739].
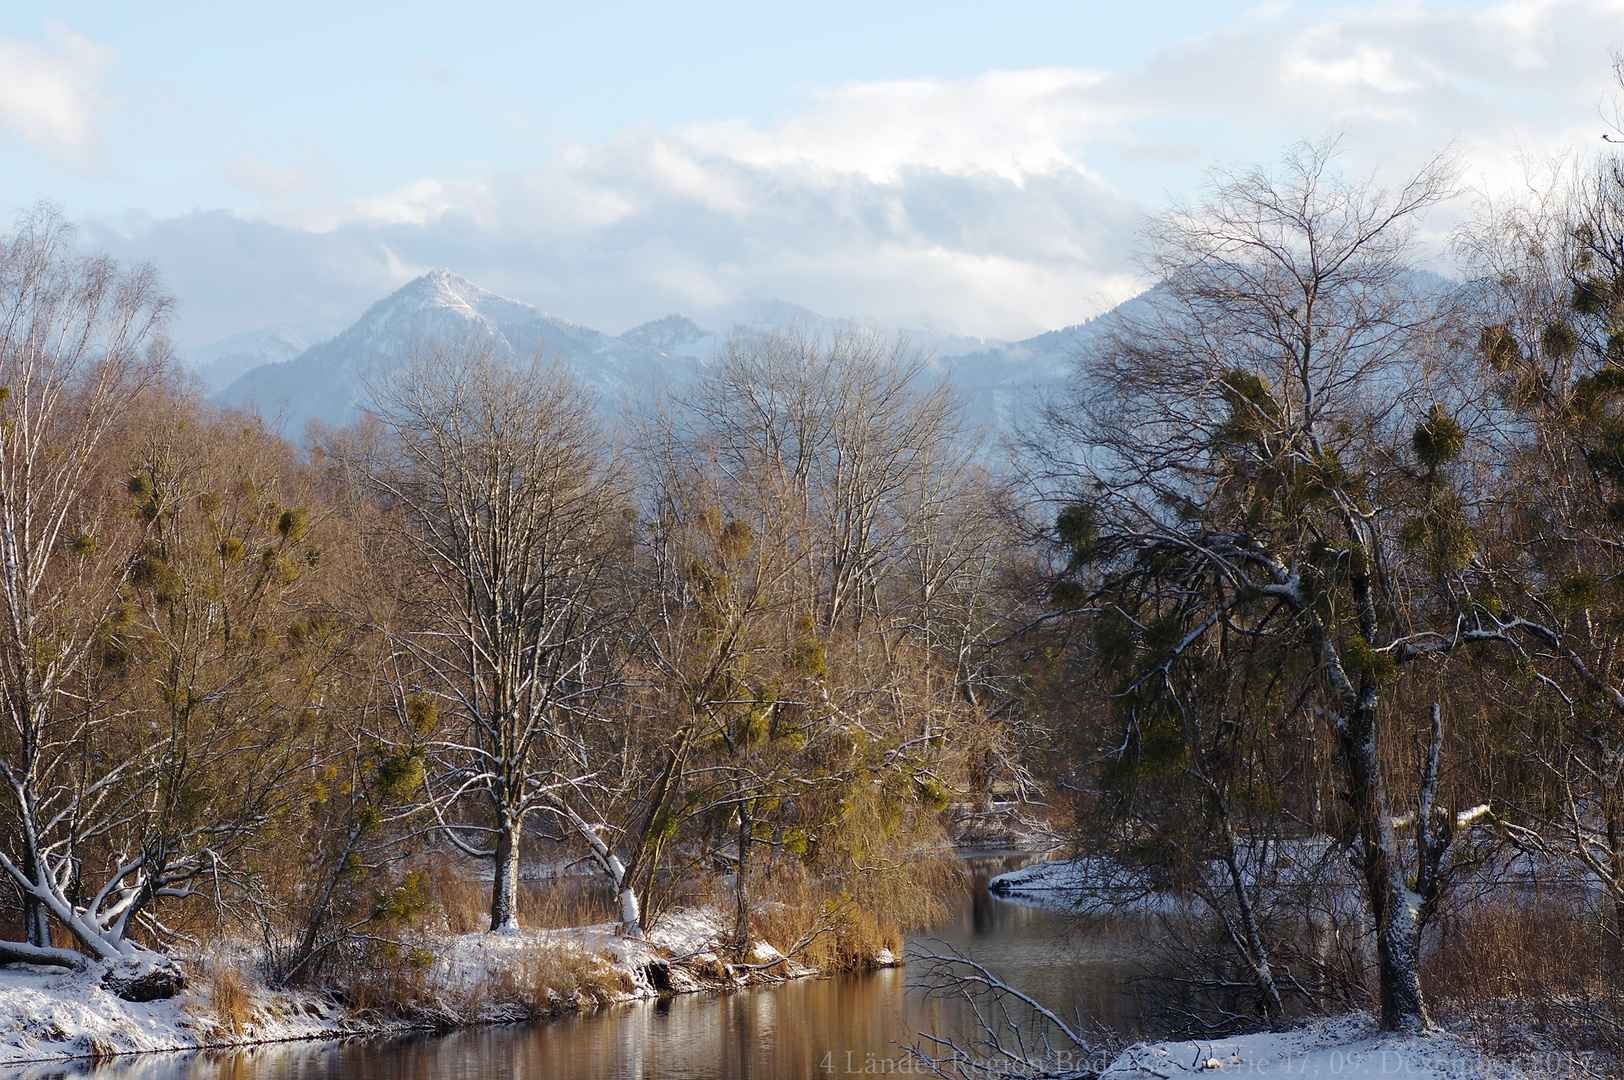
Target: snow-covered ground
[484,977]
[1346,1048]
[49,1015]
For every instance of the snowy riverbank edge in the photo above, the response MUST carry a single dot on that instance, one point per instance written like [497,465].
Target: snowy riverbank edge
[1345,1047]
[49,1017]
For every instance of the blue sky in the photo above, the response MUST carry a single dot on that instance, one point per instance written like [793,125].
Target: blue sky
[972,167]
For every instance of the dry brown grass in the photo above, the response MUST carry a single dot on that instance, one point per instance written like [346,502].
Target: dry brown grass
[555,903]
[455,892]
[554,978]
[1529,973]
[789,904]
[391,980]
[1538,948]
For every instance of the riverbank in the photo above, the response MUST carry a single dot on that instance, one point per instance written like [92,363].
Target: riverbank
[476,981]
[445,983]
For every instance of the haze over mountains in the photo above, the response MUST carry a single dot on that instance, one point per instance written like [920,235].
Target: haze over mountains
[223,362]
[292,374]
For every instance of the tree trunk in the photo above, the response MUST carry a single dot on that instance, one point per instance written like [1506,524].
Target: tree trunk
[1394,908]
[631,924]
[1615,856]
[318,915]
[37,922]
[631,918]
[741,917]
[505,882]
[36,917]
[651,836]
[1252,950]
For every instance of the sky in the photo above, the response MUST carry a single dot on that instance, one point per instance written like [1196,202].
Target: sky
[983,169]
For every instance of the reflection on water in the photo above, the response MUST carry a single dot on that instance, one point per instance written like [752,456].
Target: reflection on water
[805,1029]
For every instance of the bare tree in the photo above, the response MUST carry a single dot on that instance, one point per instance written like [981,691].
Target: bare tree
[1236,439]
[848,433]
[501,478]
[73,334]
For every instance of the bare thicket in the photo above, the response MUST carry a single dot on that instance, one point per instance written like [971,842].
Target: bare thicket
[1550,263]
[819,574]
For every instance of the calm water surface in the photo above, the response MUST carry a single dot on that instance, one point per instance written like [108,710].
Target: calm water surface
[794,1030]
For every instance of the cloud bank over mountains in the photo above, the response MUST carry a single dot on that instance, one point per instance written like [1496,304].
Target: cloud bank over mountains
[996,205]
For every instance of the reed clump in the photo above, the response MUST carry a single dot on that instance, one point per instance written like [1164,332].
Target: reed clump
[456,894]
[391,979]
[555,903]
[840,917]
[229,996]
[458,898]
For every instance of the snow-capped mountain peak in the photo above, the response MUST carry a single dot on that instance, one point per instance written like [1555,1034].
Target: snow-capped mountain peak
[326,382]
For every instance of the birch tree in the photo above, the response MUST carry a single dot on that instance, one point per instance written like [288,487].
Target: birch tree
[75,332]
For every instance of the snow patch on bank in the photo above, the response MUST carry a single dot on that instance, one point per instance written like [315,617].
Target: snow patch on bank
[1095,885]
[518,974]
[50,1015]
[1347,1047]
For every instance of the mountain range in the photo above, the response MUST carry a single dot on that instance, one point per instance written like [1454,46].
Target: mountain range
[292,374]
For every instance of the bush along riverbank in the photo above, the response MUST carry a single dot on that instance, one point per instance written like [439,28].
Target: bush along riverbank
[441,982]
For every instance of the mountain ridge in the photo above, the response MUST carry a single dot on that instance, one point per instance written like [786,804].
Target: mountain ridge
[326,381]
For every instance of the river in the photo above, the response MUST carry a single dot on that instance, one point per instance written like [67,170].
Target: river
[799,1030]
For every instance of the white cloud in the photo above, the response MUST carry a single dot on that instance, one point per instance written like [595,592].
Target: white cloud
[51,96]
[1002,203]
[1008,123]
[1406,79]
